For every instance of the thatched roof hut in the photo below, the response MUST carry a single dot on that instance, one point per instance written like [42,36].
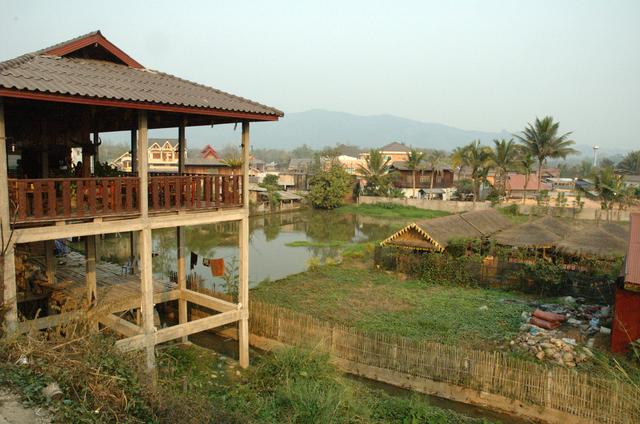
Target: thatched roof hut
[593,241]
[530,234]
[435,234]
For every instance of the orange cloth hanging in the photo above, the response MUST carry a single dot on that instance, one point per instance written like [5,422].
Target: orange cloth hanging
[217,267]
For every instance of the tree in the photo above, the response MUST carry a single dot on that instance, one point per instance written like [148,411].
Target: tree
[328,188]
[607,187]
[630,163]
[436,161]
[376,172]
[503,157]
[525,164]
[413,163]
[457,159]
[270,182]
[476,157]
[542,141]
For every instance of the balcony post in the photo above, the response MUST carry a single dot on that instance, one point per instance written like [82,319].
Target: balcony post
[134,168]
[243,290]
[9,277]
[145,247]
[182,268]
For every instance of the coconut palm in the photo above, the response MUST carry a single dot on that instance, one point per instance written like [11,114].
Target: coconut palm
[477,158]
[457,159]
[525,165]
[414,159]
[607,187]
[436,161]
[503,158]
[376,172]
[542,141]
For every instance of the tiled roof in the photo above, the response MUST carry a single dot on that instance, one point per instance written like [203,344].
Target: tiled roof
[395,147]
[100,79]
[516,182]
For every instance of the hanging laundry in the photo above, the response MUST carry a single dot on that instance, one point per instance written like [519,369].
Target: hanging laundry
[194,260]
[217,267]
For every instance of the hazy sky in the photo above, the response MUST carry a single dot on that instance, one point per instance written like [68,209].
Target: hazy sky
[482,65]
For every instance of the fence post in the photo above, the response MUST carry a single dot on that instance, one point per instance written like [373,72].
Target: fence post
[549,387]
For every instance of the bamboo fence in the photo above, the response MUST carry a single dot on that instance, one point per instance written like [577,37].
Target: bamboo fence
[566,390]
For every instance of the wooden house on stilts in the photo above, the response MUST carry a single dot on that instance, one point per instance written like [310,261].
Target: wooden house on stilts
[63,97]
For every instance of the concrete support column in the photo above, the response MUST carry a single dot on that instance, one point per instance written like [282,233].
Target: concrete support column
[8,257]
[50,261]
[243,290]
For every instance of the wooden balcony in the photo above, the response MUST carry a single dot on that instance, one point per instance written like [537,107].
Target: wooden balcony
[63,199]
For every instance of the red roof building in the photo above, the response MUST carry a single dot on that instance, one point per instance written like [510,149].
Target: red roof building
[626,322]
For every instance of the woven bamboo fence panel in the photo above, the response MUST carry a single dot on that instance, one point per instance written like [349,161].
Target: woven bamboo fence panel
[576,393]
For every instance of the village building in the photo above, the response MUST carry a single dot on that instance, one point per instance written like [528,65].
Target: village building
[519,185]
[626,323]
[63,97]
[392,152]
[441,187]
[162,156]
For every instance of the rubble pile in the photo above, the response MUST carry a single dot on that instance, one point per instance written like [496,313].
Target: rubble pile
[544,332]
[550,346]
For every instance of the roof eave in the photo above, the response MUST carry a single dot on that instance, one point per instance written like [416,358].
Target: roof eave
[92,101]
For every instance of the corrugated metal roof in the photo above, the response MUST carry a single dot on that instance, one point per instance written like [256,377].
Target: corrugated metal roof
[632,262]
[43,73]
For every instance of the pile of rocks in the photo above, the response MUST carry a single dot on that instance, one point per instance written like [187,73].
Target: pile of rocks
[550,346]
[590,319]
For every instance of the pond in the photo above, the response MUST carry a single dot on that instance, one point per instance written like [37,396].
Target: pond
[319,235]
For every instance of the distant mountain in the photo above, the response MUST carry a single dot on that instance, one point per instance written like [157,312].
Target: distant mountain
[320,128]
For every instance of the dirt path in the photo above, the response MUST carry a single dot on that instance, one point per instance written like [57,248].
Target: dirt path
[12,411]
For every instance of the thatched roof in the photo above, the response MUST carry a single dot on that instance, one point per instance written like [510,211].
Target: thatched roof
[435,234]
[593,241]
[620,231]
[529,234]
[557,226]
[487,222]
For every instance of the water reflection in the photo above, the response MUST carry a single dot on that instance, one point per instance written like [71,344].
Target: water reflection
[270,257]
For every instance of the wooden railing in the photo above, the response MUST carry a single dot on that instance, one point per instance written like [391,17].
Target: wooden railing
[193,192]
[52,199]
[68,198]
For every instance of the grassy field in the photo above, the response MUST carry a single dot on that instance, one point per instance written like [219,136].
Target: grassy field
[374,300]
[391,211]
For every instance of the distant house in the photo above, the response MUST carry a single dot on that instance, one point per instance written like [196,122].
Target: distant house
[351,164]
[300,165]
[257,164]
[207,162]
[442,181]
[631,180]
[162,156]
[393,152]
[516,185]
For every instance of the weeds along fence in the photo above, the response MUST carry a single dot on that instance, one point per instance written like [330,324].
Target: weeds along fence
[604,400]
[579,394]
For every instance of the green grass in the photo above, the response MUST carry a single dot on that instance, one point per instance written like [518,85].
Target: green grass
[378,301]
[391,211]
[292,386]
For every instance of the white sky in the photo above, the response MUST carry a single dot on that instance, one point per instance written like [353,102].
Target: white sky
[483,65]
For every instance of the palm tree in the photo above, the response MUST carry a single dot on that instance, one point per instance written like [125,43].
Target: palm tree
[376,172]
[542,141]
[476,157]
[503,157]
[457,159]
[413,163]
[608,187]
[525,163]
[436,160]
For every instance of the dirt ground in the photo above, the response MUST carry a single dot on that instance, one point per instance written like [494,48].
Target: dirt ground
[12,411]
